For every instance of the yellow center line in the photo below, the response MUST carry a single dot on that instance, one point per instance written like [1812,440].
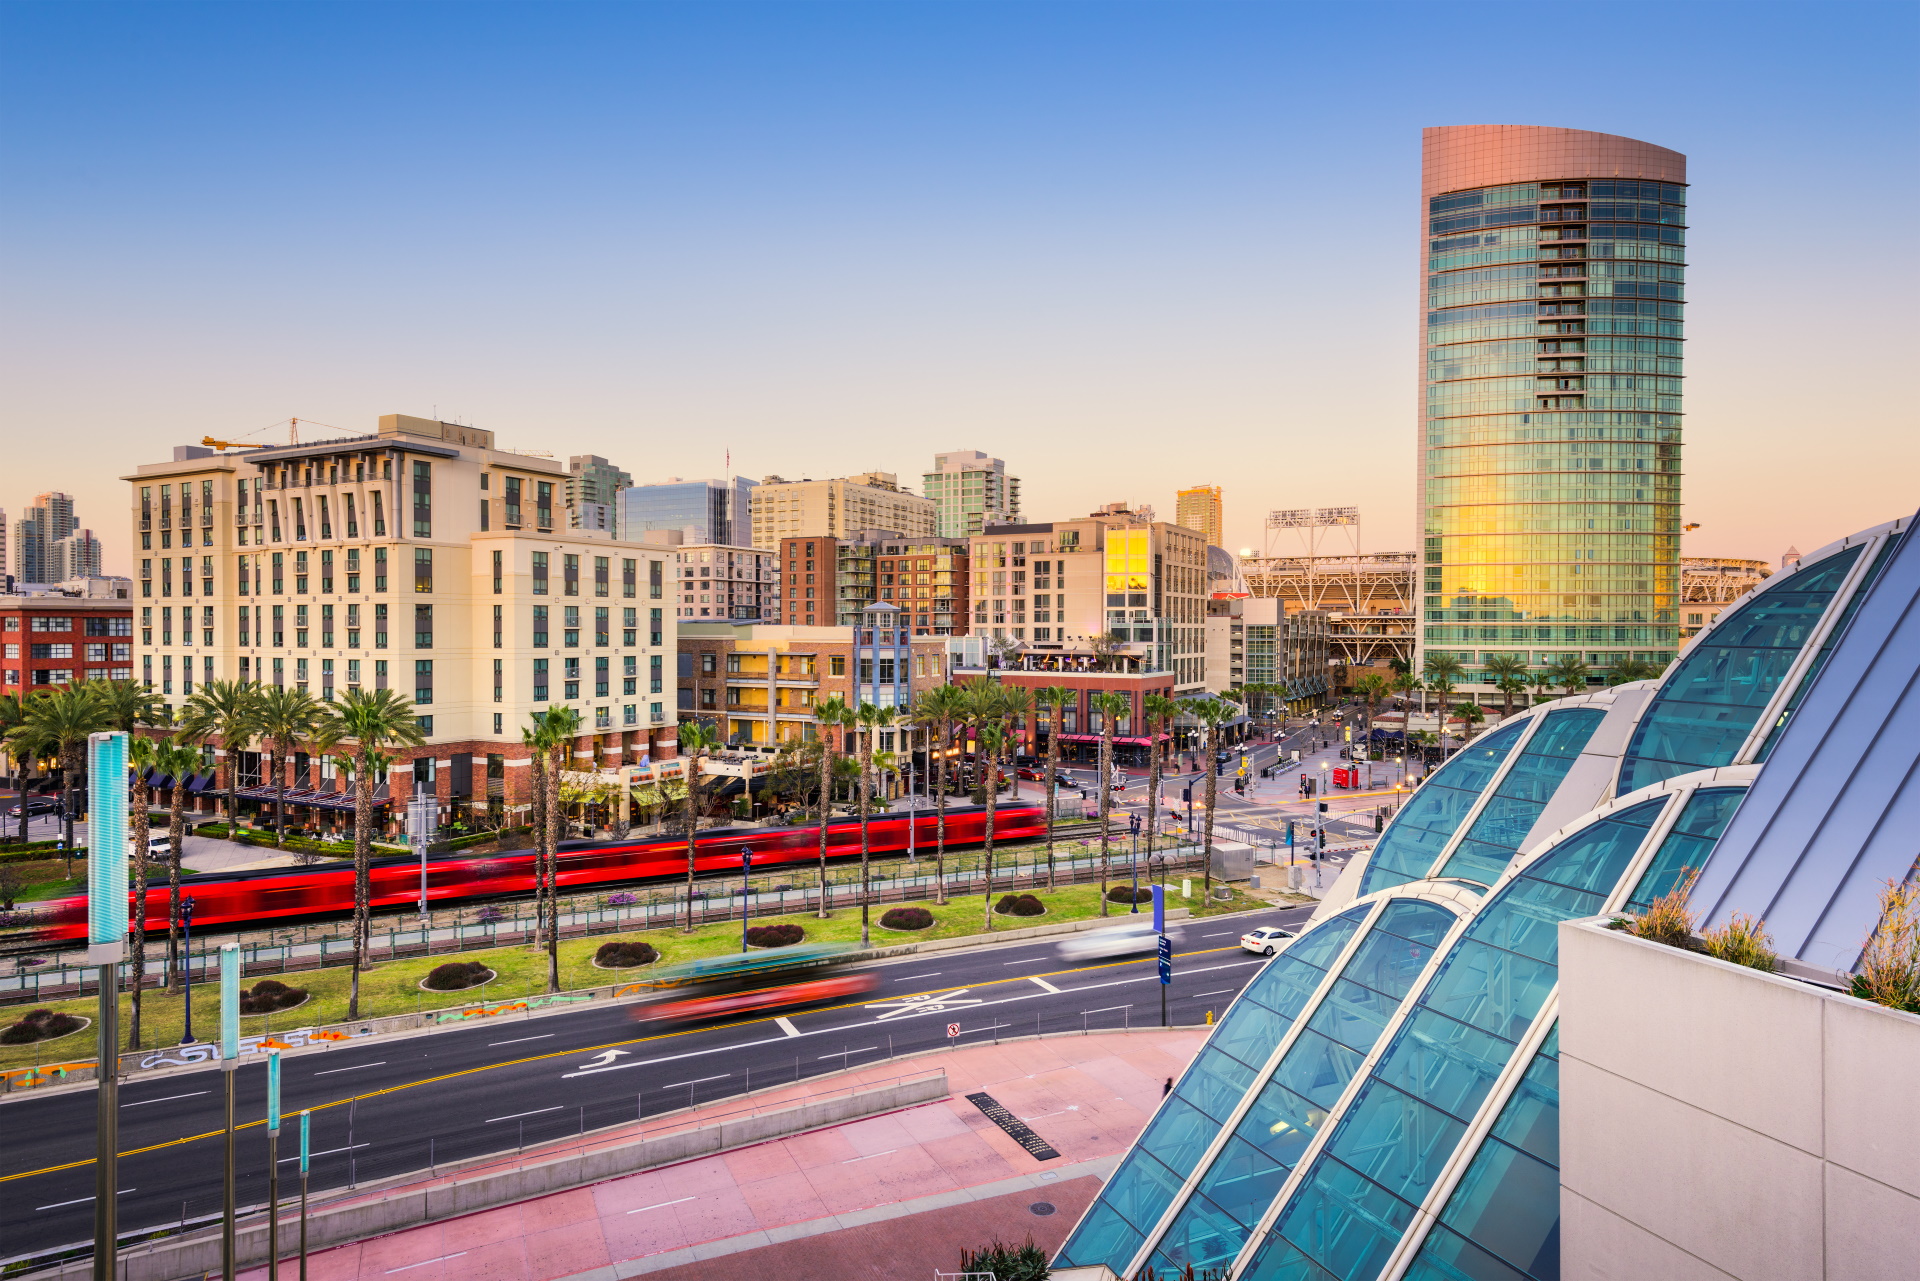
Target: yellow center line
[561,1054]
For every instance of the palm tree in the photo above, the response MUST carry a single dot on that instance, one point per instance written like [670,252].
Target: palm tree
[940,708]
[1541,683]
[177,759]
[559,727]
[141,752]
[371,720]
[992,738]
[1159,711]
[534,739]
[1626,669]
[1444,671]
[1470,715]
[60,723]
[696,740]
[1111,707]
[829,714]
[19,746]
[129,705]
[1212,713]
[285,716]
[1569,672]
[1001,706]
[228,711]
[1508,672]
[1373,688]
[1055,699]
[868,719]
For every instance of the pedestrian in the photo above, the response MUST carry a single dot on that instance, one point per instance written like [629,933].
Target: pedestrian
[1167,1089]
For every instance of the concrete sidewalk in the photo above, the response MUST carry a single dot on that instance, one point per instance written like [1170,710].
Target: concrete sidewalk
[823,1193]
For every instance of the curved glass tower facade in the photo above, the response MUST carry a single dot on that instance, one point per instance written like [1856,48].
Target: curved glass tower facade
[1552,356]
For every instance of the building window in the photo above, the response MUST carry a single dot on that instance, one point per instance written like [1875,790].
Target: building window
[423,627]
[601,584]
[423,681]
[601,624]
[572,677]
[423,569]
[380,627]
[654,675]
[512,502]
[499,680]
[570,574]
[540,573]
[499,571]
[655,623]
[600,677]
[539,626]
[572,638]
[629,580]
[422,500]
[543,503]
[837,665]
[539,680]
[655,580]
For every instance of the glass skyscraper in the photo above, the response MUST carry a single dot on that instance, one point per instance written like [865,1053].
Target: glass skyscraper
[1549,458]
[708,511]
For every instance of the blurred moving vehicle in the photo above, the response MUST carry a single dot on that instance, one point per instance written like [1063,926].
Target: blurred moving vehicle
[37,805]
[724,987]
[1129,938]
[1265,940]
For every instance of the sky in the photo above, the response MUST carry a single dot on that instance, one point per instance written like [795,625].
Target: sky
[1127,247]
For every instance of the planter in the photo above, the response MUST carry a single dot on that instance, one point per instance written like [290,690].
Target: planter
[287,1009]
[456,991]
[623,969]
[85,1023]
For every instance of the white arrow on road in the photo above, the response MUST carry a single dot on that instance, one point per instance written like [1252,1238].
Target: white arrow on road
[936,1003]
[604,1060]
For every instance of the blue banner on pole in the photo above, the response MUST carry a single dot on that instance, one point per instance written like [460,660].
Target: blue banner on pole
[107,841]
[229,1001]
[1166,959]
[1159,909]
[273,1091]
[306,1139]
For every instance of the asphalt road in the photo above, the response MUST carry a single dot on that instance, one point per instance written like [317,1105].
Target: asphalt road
[387,1107]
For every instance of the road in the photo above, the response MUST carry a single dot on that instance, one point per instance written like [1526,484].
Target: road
[389,1106]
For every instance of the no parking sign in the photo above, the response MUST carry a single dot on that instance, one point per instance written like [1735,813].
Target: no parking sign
[953,1030]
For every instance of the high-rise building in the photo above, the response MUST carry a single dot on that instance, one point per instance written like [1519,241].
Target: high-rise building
[1200,508]
[593,484]
[838,508]
[3,543]
[972,492]
[1549,445]
[75,556]
[705,511]
[829,581]
[48,520]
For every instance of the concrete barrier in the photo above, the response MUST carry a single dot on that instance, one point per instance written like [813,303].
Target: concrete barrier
[370,1216]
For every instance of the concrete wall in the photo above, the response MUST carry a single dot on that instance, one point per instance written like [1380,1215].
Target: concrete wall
[410,1207]
[1719,1122]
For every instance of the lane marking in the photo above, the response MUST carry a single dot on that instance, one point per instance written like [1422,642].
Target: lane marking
[424,1262]
[698,1080]
[661,1036]
[1031,960]
[83,1200]
[909,977]
[660,1206]
[785,1025]
[1217,936]
[865,1049]
[1215,992]
[869,1156]
[1035,978]
[515,1116]
[166,1098]
[355,1068]
[328,1152]
[522,1039]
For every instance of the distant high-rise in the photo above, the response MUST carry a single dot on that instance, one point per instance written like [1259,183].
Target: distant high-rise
[972,491]
[838,508]
[593,486]
[706,511]
[75,556]
[3,542]
[1200,508]
[45,523]
[1549,444]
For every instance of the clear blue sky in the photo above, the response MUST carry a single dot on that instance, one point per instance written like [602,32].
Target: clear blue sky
[1126,246]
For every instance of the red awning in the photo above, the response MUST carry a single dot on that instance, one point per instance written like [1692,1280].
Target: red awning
[1094,738]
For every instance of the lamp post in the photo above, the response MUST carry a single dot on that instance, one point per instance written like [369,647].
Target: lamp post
[229,1067]
[306,1150]
[186,950]
[1133,822]
[106,947]
[423,811]
[273,1165]
[746,889]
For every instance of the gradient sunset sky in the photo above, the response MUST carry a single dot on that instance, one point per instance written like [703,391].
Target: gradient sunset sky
[1125,246]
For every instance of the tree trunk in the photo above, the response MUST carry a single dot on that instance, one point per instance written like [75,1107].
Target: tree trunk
[69,781]
[176,835]
[990,777]
[866,806]
[141,830]
[826,809]
[1153,789]
[1106,805]
[173,909]
[693,825]
[1213,791]
[25,767]
[553,871]
[362,873]
[280,794]
[940,820]
[1053,790]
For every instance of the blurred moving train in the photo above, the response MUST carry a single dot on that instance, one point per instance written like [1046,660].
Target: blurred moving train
[280,894]
[722,987]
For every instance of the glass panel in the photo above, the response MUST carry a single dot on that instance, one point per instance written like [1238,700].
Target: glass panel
[1826,648]
[1140,1190]
[1215,1083]
[1415,921]
[1347,1224]
[1319,945]
[1493,990]
[1396,1140]
[1527,920]
[1250,1032]
[1593,858]
[1391,962]
[1445,1062]
[1179,1134]
[1286,984]
[1243,1182]
[1531,1119]
[1318,1068]
[1509,1204]
[1483,854]
[1354,1015]
[1278,1259]
[1421,830]
[1201,1234]
[1281,1124]
[1689,843]
[1104,1237]
[1710,701]
[1446,1257]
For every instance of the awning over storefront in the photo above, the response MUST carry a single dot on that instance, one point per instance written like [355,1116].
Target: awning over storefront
[312,799]
[1095,738]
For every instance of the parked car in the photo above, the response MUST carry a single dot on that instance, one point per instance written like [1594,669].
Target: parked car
[1130,938]
[159,846]
[1265,940]
[38,805]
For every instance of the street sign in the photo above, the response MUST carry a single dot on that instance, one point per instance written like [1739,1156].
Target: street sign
[953,1030]
[1166,959]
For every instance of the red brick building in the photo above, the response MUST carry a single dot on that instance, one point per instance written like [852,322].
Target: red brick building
[49,642]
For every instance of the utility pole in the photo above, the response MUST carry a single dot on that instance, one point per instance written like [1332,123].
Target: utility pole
[229,1068]
[273,1165]
[106,948]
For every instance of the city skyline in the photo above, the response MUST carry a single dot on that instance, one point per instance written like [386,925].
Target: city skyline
[1053,321]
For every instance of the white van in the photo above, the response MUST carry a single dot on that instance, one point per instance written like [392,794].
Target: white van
[159,846]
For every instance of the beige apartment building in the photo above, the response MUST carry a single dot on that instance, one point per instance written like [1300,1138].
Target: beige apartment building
[423,559]
[1052,588]
[838,509]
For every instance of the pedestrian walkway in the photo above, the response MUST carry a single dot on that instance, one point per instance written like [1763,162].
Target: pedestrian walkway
[838,1197]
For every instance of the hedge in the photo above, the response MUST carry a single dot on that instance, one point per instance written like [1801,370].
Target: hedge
[39,852]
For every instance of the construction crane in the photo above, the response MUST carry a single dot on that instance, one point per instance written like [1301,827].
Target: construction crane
[293,437]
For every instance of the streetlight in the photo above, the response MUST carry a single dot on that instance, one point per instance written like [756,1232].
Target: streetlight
[746,891]
[186,949]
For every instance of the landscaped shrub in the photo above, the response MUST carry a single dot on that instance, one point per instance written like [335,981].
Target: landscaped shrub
[1024,1262]
[269,995]
[622,954]
[1127,894]
[907,918]
[456,975]
[1020,905]
[1667,919]
[1890,967]
[774,935]
[1744,941]
[40,1025]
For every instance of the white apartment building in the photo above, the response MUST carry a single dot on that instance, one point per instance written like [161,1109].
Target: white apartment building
[838,508]
[972,491]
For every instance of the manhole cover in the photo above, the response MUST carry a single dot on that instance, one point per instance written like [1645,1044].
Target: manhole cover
[1042,1208]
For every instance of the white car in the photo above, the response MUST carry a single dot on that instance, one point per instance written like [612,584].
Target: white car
[1126,939]
[159,846]
[1264,940]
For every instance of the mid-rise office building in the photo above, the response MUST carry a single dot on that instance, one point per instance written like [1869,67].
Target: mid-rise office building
[421,559]
[593,489]
[713,580]
[838,509]
[972,491]
[1108,584]
[1201,508]
[1256,643]
[703,511]
[1549,445]
[834,580]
